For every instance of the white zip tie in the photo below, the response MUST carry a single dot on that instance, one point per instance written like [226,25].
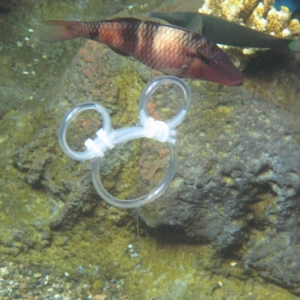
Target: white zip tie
[91,145]
[103,136]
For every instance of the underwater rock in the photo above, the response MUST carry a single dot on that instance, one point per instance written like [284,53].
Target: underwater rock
[238,183]
[236,155]
[7,94]
[7,5]
[41,162]
[276,255]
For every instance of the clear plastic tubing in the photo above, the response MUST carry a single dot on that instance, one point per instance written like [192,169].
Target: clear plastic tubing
[107,138]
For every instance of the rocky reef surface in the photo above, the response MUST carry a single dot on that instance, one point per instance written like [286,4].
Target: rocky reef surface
[226,228]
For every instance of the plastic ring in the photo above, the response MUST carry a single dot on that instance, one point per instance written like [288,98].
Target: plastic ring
[134,203]
[67,120]
[153,86]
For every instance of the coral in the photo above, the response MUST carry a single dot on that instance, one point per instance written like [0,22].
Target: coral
[256,19]
[277,20]
[261,16]
[229,9]
[294,26]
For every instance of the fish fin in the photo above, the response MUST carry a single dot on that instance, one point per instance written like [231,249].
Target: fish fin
[195,25]
[294,45]
[190,21]
[59,30]
[168,17]
[179,19]
[124,19]
[174,71]
[119,52]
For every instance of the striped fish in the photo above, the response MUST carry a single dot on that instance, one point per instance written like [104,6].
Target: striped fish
[169,49]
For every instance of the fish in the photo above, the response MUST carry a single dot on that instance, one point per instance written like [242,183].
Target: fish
[225,32]
[166,48]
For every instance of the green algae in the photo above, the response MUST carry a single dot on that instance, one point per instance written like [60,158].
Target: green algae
[22,209]
[130,86]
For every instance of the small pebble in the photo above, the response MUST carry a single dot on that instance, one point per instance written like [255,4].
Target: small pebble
[18,281]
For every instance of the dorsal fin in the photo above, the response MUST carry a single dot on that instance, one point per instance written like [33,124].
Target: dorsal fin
[195,25]
[124,19]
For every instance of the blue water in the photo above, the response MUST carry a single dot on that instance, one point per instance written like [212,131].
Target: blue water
[293,5]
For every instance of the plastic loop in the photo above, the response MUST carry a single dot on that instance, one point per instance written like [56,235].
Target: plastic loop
[106,139]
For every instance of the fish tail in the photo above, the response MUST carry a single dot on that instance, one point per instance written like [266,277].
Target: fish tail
[294,45]
[60,30]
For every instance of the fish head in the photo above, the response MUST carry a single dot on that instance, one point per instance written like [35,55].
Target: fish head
[211,63]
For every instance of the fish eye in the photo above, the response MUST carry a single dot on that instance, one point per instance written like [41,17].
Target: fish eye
[213,63]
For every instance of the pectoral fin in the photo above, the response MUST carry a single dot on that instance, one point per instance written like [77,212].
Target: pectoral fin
[174,71]
[294,45]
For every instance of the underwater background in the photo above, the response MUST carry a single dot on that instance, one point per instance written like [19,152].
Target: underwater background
[228,226]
